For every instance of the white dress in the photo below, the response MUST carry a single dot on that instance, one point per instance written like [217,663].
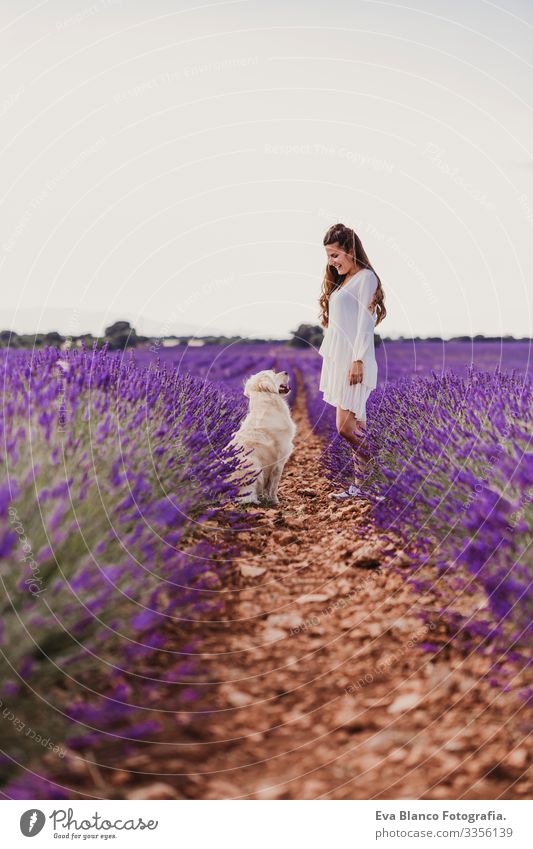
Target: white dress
[348,337]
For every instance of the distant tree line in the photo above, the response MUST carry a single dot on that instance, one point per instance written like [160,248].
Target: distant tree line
[118,336]
[121,335]
[311,336]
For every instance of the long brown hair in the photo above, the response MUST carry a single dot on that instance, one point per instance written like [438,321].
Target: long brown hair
[350,243]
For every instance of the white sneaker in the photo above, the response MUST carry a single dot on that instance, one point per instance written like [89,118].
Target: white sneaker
[353,491]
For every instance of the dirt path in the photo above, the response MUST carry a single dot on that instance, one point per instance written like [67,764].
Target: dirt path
[321,693]
[315,686]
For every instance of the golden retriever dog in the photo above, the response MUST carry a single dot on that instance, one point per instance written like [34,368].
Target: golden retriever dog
[268,431]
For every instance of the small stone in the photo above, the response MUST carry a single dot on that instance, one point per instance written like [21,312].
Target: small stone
[237,698]
[308,599]
[271,791]
[518,758]
[286,538]
[158,790]
[252,571]
[119,777]
[284,620]
[272,635]
[404,702]
[349,717]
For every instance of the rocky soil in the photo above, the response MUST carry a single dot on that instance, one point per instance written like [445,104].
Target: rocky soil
[316,685]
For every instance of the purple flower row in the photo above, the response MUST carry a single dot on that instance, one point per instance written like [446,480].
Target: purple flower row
[451,471]
[113,474]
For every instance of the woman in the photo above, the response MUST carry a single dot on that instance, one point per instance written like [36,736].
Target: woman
[351,306]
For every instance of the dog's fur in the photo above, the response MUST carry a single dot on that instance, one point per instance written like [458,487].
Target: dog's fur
[268,430]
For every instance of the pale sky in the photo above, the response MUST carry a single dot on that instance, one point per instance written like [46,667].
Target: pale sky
[177,164]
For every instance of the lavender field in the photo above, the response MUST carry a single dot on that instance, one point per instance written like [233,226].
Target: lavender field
[119,531]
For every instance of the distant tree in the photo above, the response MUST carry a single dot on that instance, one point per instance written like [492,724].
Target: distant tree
[307,335]
[8,338]
[86,339]
[28,340]
[54,338]
[120,335]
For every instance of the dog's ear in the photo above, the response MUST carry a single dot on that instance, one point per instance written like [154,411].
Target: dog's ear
[265,383]
[260,382]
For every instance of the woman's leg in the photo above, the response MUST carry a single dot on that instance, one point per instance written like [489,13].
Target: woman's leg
[347,423]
